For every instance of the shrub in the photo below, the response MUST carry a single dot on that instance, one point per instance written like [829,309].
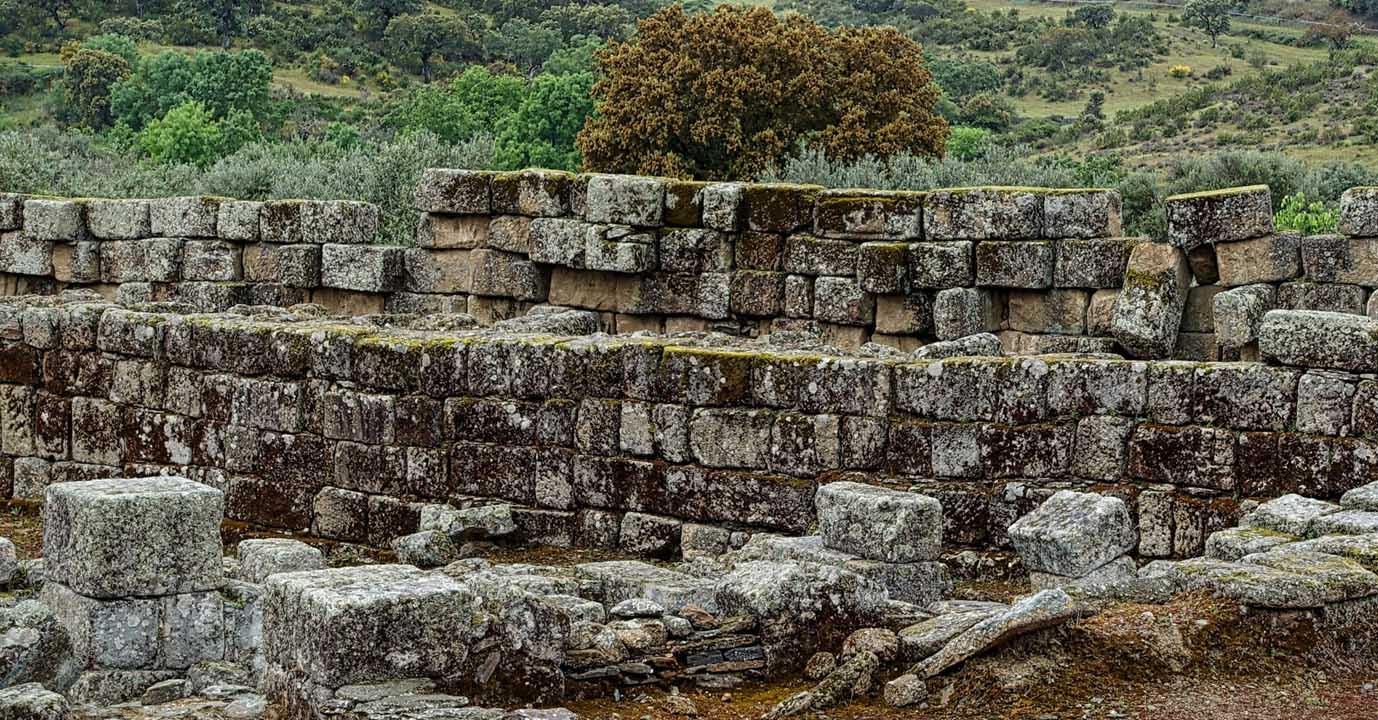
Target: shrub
[1179,71]
[1309,218]
[966,143]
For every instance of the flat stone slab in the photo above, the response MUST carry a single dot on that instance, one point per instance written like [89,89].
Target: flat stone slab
[1341,579]
[133,537]
[879,523]
[1035,612]
[1291,514]
[613,581]
[920,641]
[1073,533]
[917,582]
[1248,584]
[1235,543]
[1344,522]
[1362,549]
[1364,497]
[260,558]
[368,624]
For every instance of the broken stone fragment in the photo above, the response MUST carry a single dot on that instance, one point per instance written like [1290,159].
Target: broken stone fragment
[426,549]
[905,690]
[969,346]
[1035,612]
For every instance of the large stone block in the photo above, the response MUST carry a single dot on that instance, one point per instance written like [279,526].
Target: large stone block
[453,232]
[722,206]
[118,219]
[1309,338]
[841,300]
[113,633]
[695,250]
[1359,212]
[869,214]
[883,267]
[1340,259]
[54,220]
[535,193]
[1081,214]
[502,274]
[467,192]
[291,265]
[1237,314]
[210,260]
[1328,297]
[340,222]
[151,260]
[879,523]
[625,200]
[778,207]
[439,271]
[1027,264]
[1092,262]
[369,624]
[1048,311]
[619,249]
[1148,311]
[1219,216]
[985,213]
[1072,534]
[24,255]
[808,255]
[237,220]
[368,268]
[941,265]
[1271,258]
[184,217]
[958,312]
[909,314]
[134,537]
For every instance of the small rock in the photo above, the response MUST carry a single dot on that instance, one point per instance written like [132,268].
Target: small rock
[425,549]
[677,627]
[698,617]
[820,666]
[166,691]
[905,690]
[32,701]
[884,643]
[9,562]
[680,705]
[247,707]
[637,608]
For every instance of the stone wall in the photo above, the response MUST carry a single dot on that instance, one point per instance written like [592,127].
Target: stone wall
[346,427]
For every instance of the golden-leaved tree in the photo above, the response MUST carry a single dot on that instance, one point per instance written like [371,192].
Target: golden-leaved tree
[722,95]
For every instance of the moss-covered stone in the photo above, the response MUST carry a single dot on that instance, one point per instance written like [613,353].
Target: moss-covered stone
[778,207]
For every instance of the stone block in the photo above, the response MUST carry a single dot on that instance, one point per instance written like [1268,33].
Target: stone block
[1081,214]
[841,300]
[115,633]
[1309,338]
[1148,311]
[259,558]
[1102,446]
[118,219]
[453,232]
[296,266]
[502,274]
[1340,259]
[1359,212]
[340,222]
[883,267]
[367,268]
[778,207]
[439,271]
[11,211]
[467,192]
[625,200]
[878,523]
[1203,265]
[731,438]
[910,314]
[1027,264]
[558,241]
[134,537]
[1072,534]
[24,255]
[869,214]
[1198,315]
[941,265]
[237,220]
[184,217]
[809,255]
[1324,402]
[649,535]
[798,296]
[1049,311]
[77,263]
[695,250]
[1271,258]
[1328,297]
[958,312]
[534,193]
[722,207]
[985,213]
[511,233]
[1097,262]
[1219,216]
[211,260]
[54,220]
[757,293]
[620,249]
[151,260]
[1238,312]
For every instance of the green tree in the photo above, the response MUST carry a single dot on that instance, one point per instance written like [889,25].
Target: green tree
[597,19]
[476,102]
[966,143]
[378,13]
[116,45]
[542,132]
[219,81]
[422,37]
[190,134]
[88,76]
[227,16]
[59,11]
[1210,16]
[1092,16]
[525,43]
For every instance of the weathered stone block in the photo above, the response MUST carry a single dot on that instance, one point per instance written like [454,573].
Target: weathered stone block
[808,255]
[368,268]
[1316,339]
[291,265]
[1101,447]
[11,211]
[1324,402]
[1271,258]
[731,438]
[958,312]
[778,208]
[695,250]
[941,264]
[841,300]
[503,274]
[77,262]
[54,220]
[1026,264]
[1072,534]
[340,222]
[1198,315]
[455,191]
[439,271]
[1081,214]
[625,200]
[1219,216]
[1340,259]
[511,233]
[212,260]
[453,232]
[558,241]
[1049,311]
[870,214]
[1244,396]
[1237,314]
[1359,212]
[879,523]
[133,537]
[883,267]
[620,249]
[535,193]
[24,255]
[1327,297]
[115,633]
[237,220]
[184,217]
[118,219]
[909,314]
[1148,311]
[259,558]
[985,213]
[757,293]
[1092,262]
[722,207]
[152,260]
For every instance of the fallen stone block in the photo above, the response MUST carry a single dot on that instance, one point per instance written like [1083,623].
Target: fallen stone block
[1072,534]
[1364,497]
[879,523]
[1362,549]
[1095,581]
[1340,579]
[1344,522]
[1035,612]
[920,641]
[1290,514]
[915,582]
[133,537]
[1219,216]
[31,701]
[425,549]
[1252,585]
[1235,543]
[1317,339]
[260,558]
[1148,311]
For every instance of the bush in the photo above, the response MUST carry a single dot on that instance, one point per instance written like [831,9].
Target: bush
[1179,71]
[966,143]
[1308,218]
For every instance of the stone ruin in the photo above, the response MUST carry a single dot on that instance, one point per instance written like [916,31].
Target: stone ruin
[779,407]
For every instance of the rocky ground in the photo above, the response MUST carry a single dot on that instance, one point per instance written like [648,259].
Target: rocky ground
[1196,658]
